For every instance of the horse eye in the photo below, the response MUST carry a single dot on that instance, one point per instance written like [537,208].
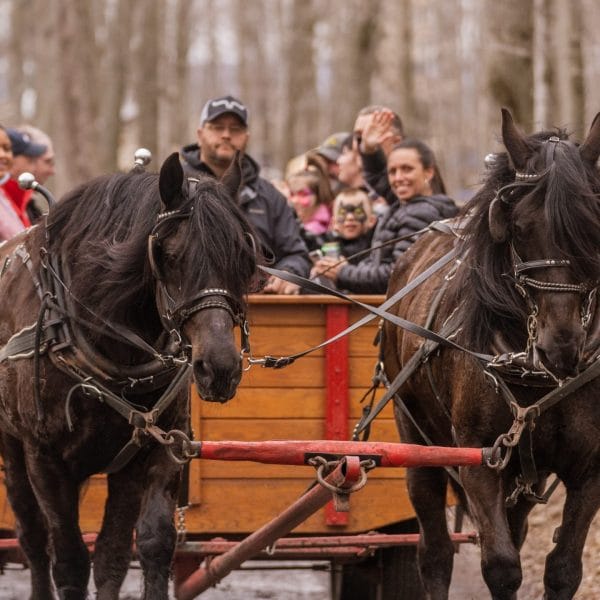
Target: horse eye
[521,230]
[171,259]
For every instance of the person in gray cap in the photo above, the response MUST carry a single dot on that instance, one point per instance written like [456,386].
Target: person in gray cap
[25,153]
[330,150]
[223,130]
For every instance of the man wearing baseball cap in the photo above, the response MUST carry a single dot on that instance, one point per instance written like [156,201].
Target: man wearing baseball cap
[223,130]
[25,153]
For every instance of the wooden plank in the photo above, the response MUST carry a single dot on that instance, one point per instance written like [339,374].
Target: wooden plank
[280,429]
[284,339]
[281,403]
[308,299]
[242,506]
[309,372]
[286,314]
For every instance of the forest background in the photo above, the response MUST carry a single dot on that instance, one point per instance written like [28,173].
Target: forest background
[104,77]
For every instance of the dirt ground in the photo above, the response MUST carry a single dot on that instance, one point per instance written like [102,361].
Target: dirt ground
[297,582]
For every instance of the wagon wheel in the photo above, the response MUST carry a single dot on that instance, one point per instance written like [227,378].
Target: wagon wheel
[391,574]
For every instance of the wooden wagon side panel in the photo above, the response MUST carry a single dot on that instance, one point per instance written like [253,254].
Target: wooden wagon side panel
[290,403]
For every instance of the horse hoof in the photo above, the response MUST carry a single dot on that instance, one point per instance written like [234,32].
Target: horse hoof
[69,592]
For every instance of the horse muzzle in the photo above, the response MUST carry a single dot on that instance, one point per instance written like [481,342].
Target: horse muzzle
[562,358]
[216,382]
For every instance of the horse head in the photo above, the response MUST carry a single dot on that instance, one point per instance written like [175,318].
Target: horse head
[203,261]
[547,219]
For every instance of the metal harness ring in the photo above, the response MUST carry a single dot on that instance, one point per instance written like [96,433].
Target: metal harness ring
[364,466]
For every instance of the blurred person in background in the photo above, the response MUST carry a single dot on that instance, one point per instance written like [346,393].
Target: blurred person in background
[330,151]
[223,130]
[353,222]
[43,168]
[351,175]
[310,196]
[25,153]
[10,223]
[350,234]
[413,205]
[376,134]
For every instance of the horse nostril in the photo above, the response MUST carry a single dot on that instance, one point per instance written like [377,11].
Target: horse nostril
[202,370]
[562,361]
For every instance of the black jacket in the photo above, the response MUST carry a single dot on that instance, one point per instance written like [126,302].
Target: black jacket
[371,275]
[267,210]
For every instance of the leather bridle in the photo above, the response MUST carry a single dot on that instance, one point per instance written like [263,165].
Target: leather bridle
[174,314]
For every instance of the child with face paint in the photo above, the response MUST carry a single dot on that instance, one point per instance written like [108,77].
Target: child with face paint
[310,196]
[351,230]
[353,222]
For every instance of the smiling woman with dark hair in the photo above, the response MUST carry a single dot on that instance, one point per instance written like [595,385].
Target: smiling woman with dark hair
[411,171]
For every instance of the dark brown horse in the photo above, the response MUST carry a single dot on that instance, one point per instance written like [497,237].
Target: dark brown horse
[522,299]
[134,284]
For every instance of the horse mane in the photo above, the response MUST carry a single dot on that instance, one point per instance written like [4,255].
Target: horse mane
[566,197]
[101,229]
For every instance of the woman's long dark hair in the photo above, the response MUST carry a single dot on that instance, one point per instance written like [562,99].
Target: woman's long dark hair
[428,161]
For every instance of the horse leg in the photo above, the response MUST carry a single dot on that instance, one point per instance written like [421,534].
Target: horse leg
[31,531]
[155,531]
[435,551]
[58,496]
[517,520]
[113,551]
[563,570]
[500,562]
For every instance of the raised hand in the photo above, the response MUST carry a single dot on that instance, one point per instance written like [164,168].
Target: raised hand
[377,131]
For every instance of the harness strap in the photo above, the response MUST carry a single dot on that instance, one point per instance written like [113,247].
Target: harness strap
[118,332]
[407,370]
[377,311]
[22,343]
[270,361]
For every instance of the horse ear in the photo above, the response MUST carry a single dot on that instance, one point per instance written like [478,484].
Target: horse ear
[590,149]
[232,178]
[170,181]
[497,221]
[514,141]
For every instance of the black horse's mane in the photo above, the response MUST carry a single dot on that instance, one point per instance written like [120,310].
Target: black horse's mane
[101,229]
[566,197]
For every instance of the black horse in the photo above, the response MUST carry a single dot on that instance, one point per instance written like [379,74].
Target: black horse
[522,299]
[134,282]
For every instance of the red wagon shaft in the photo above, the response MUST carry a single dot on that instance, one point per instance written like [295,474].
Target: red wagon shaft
[344,477]
[298,452]
[315,498]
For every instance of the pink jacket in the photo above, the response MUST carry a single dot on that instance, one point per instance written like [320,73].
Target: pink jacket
[320,220]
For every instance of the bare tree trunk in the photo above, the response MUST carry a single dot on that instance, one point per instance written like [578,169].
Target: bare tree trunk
[148,84]
[590,50]
[179,92]
[76,80]
[541,91]
[254,74]
[508,27]
[302,111]
[18,32]
[114,78]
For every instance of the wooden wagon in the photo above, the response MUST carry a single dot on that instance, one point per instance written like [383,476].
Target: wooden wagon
[317,397]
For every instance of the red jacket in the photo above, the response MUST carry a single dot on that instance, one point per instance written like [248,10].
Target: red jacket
[20,199]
